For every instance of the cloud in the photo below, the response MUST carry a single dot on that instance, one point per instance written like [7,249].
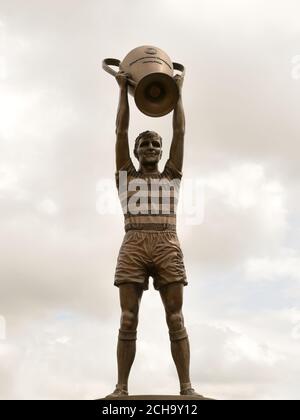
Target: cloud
[244,213]
[281,268]
[48,206]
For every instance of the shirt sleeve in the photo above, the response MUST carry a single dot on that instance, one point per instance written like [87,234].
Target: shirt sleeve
[127,167]
[171,172]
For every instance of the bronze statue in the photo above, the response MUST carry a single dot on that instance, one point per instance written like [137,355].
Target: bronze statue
[150,247]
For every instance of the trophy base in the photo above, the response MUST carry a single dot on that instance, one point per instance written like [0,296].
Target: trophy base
[158,398]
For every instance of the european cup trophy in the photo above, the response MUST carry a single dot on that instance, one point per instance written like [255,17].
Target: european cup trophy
[151,80]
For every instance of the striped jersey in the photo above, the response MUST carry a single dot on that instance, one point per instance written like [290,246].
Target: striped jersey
[149,201]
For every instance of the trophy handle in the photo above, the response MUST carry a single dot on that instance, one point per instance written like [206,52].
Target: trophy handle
[107,62]
[179,67]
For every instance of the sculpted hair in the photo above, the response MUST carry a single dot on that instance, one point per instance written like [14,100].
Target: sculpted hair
[145,135]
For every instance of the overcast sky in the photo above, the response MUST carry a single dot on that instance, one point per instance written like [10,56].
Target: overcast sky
[241,246]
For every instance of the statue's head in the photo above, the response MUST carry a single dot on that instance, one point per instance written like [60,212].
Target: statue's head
[148,147]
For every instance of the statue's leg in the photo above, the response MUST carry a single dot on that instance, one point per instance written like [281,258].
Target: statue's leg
[172,297]
[130,298]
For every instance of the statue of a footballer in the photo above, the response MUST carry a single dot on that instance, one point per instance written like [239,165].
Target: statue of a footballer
[150,247]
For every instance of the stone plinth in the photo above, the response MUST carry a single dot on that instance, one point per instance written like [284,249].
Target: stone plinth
[158,398]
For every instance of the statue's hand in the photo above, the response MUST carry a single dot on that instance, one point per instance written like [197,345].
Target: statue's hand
[179,81]
[122,79]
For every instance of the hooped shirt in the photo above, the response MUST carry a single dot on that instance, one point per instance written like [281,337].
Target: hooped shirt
[149,201]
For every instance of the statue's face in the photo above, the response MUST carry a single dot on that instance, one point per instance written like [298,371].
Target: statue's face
[149,150]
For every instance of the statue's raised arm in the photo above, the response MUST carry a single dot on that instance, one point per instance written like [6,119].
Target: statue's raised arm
[177,146]
[122,123]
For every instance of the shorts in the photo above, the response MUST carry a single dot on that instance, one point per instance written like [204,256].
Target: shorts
[155,254]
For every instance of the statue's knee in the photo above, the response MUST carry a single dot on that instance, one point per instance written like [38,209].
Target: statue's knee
[177,330]
[129,320]
[175,321]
